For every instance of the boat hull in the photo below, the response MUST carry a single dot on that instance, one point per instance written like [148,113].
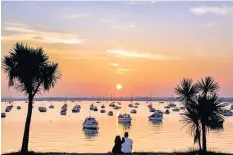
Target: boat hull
[124,120]
[159,119]
[90,126]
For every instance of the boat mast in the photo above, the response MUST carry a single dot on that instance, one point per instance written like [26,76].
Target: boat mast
[131,99]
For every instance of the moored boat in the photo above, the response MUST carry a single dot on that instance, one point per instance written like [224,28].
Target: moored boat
[167,112]
[125,118]
[3,115]
[90,123]
[110,113]
[134,111]
[156,116]
[176,109]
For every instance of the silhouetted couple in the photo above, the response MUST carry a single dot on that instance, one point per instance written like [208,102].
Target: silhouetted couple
[123,146]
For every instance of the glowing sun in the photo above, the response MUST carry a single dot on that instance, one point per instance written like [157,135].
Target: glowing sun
[118,86]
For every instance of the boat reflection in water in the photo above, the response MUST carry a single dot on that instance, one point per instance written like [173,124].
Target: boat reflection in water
[125,125]
[156,123]
[90,132]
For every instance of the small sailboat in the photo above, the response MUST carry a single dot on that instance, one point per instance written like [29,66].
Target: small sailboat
[75,109]
[51,106]
[102,111]
[18,107]
[167,112]
[176,109]
[42,109]
[63,111]
[135,106]
[102,106]
[134,111]
[92,107]
[8,109]
[95,108]
[116,107]
[137,103]
[3,115]
[110,113]
[131,104]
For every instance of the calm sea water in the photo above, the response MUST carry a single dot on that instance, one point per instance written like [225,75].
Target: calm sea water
[51,132]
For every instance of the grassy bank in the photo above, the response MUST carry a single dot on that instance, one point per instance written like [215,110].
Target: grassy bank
[135,153]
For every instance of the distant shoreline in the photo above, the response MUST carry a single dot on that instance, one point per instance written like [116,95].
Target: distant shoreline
[159,99]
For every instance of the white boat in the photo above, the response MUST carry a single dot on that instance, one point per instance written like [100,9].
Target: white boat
[110,113]
[227,112]
[102,111]
[102,106]
[157,116]
[124,118]
[176,109]
[75,109]
[42,109]
[134,111]
[90,123]
[51,106]
[3,115]
[167,112]
[18,107]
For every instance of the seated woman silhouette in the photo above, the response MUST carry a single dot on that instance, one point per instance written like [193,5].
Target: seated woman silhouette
[117,147]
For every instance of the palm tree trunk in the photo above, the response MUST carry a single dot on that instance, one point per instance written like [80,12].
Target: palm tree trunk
[27,125]
[203,137]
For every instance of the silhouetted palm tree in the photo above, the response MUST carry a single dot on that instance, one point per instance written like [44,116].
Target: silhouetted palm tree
[204,109]
[30,71]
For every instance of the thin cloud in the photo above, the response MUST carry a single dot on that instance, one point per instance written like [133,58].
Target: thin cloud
[141,2]
[83,57]
[134,54]
[119,72]
[201,10]
[207,25]
[123,70]
[114,64]
[78,15]
[24,32]
[125,26]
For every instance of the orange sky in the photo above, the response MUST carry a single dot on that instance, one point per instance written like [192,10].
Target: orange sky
[145,57]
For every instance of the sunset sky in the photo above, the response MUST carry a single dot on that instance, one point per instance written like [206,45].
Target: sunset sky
[147,47]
